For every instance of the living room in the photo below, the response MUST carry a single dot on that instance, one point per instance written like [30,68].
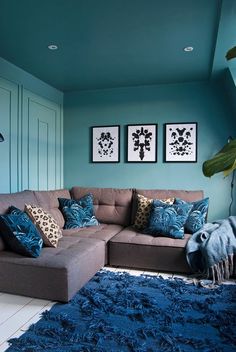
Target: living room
[69,67]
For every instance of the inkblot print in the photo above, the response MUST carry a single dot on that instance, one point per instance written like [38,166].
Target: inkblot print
[105,144]
[181,141]
[141,139]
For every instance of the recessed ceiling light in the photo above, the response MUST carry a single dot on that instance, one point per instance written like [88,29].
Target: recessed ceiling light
[52,47]
[188,48]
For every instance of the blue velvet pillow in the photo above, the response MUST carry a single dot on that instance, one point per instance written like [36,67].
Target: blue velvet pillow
[20,234]
[197,216]
[78,213]
[167,220]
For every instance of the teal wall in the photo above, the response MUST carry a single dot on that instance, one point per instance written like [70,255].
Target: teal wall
[205,103]
[31,121]
[230,89]
[212,105]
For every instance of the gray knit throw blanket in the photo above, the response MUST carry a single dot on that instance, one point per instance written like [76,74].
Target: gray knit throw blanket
[210,251]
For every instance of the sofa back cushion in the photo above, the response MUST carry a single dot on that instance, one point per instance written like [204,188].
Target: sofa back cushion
[188,196]
[111,205]
[18,199]
[48,200]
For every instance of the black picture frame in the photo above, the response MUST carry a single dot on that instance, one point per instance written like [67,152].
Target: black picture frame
[142,143]
[105,146]
[180,142]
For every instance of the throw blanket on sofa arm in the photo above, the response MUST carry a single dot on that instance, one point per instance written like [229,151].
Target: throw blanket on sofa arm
[210,251]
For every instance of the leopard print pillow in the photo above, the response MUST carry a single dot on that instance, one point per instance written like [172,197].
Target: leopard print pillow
[143,210]
[46,224]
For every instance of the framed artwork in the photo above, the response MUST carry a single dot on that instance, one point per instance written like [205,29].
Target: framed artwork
[142,143]
[106,144]
[180,142]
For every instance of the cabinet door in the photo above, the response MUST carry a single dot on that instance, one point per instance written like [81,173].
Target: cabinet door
[41,143]
[9,171]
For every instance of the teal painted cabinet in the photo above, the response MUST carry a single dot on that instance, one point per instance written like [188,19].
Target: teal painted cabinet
[41,143]
[9,104]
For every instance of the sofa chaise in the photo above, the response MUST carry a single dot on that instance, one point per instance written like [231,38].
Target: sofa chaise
[58,273]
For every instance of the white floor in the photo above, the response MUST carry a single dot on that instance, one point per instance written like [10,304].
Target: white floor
[17,313]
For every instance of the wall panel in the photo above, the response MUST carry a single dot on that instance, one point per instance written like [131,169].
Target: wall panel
[21,95]
[9,105]
[41,143]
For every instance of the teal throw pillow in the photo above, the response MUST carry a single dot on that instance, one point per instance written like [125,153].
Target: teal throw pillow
[197,216]
[20,234]
[167,220]
[78,213]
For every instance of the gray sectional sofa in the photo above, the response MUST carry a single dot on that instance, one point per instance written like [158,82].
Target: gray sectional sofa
[58,273]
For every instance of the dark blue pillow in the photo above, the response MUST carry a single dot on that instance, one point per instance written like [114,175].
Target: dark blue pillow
[78,213]
[197,216]
[20,234]
[167,220]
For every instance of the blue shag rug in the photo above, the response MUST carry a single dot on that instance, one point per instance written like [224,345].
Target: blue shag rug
[120,312]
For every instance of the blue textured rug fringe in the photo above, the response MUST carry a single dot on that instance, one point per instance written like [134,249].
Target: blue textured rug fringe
[120,312]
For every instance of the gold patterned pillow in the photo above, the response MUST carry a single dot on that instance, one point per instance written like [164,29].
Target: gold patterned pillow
[46,224]
[143,210]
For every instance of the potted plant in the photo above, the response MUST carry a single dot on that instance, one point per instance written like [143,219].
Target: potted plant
[224,161]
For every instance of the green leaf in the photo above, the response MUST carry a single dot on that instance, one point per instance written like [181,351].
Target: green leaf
[224,160]
[228,172]
[231,53]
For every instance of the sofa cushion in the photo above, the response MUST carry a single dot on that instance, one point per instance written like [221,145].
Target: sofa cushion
[102,232]
[78,213]
[197,216]
[45,223]
[111,205]
[57,274]
[20,234]
[167,219]
[48,200]
[136,250]
[18,199]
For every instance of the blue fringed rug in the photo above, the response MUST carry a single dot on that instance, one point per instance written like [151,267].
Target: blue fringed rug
[120,312]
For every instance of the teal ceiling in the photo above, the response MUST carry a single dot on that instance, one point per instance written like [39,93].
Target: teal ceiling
[113,43]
